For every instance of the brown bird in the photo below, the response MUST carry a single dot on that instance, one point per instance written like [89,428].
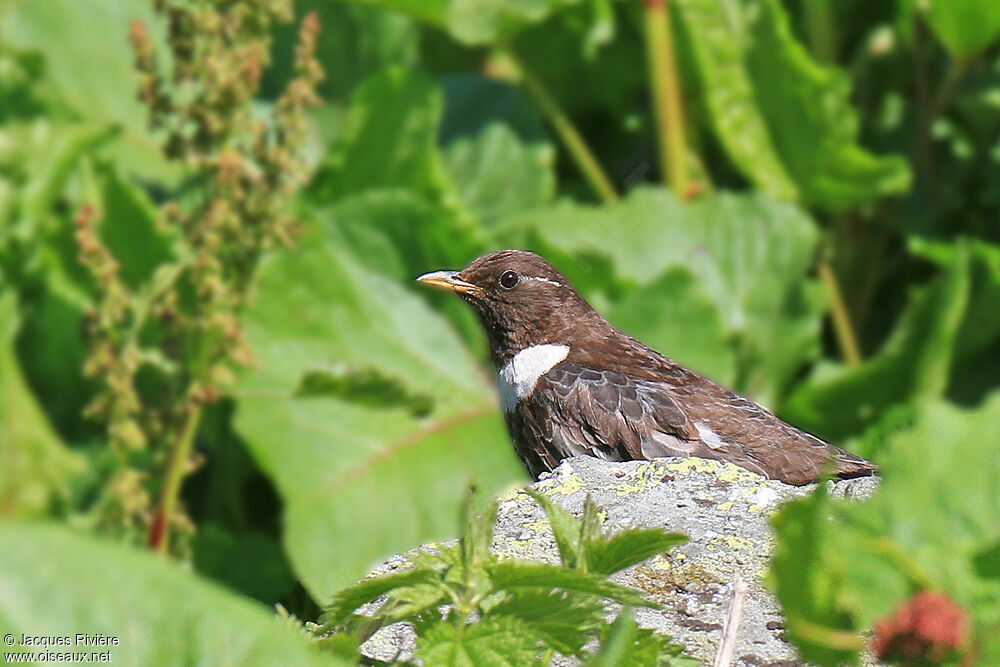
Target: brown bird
[571,384]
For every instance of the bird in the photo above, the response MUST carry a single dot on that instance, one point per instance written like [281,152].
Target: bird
[571,384]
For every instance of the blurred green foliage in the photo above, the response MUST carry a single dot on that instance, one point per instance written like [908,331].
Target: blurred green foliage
[860,136]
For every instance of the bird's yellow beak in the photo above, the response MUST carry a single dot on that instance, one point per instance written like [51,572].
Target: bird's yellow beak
[449,280]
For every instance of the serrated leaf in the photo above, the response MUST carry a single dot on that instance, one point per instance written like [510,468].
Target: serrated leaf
[749,255]
[56,582]
[387,478]
[563,623]
[625,644]
[36,468]
[783,119]
[514,575]
[607,555]
[503,641]
[345,601]
[565,528]
[912,367]
[497,175]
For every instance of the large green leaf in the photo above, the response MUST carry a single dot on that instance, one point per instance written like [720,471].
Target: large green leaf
[497,175]
[913,366]
[89,66]
[965,27]
[35,466]
[361,482]
[476,22]
[745,256]
[783,119]
[58,583]
[388,141]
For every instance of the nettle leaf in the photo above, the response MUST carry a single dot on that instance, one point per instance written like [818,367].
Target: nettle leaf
[565,528]
[36,468]
[498,175]
[514,575]
[345,601]
[912,367]
[783,119]
[57,582]
[375,472]
[808,574]
[493,641]
[748,255]
[564,623]
[607,555]
[623,643]
[965,27]
[388,140]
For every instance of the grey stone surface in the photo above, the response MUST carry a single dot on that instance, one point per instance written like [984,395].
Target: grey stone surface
[722,508]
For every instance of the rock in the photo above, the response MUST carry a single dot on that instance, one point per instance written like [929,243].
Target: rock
[722,508]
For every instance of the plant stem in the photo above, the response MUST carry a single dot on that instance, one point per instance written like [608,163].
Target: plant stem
[666,90]
[840,640]
[159,530]
[567,132]
[841,318]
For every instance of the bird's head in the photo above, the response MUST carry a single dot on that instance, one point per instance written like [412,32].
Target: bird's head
[520,299]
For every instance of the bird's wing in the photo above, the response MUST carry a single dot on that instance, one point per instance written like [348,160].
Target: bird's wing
[607,414]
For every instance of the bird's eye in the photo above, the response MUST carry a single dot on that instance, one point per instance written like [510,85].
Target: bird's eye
[508,280]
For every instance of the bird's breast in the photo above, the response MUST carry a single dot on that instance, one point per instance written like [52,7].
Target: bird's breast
[518,377]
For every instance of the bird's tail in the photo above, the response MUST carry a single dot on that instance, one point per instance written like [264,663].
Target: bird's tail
[850,465]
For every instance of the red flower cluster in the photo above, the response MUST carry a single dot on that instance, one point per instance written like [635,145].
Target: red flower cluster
[927,627]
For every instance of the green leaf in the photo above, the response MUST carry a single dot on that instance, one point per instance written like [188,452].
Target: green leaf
[377,473]
[472,22]
[565,528]
[563,623]
[251,563]
[515,575]
[497,175]
[624,643]
[607,555]
[783,119]
[502,641]
[401,234]
[36,469]
[749,255]
[388,141]
[128,228]
[345,601]
[57,582]
[98,81]
[932,526]
[913,366]
[965,27]
[987,562]
[365,386]
[808,574]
